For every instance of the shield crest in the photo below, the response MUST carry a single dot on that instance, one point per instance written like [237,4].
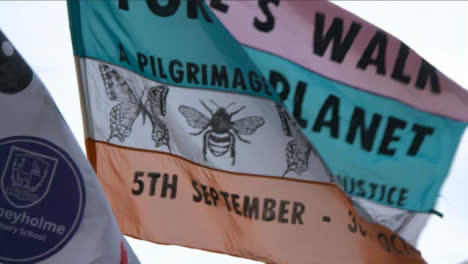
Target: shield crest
[27,177]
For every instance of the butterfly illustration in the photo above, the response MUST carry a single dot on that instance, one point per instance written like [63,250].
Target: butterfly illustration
[220,130]
[130,106]
[299,148]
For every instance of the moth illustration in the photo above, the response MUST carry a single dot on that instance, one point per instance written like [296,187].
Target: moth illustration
[299,148]
[220,131]
[130,106]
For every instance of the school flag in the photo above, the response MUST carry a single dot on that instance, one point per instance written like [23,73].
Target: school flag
[194,148]
[52,208]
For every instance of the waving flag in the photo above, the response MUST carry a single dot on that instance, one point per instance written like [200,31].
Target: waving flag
[195,148]
[52,209]
[385,121]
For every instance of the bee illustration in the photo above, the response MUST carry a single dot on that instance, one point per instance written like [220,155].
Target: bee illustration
[123,115]
[220,131]
[299,148]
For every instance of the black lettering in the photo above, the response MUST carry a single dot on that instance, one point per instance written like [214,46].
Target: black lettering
[402,197]
[298,211]
[192,71]
[383,241]
[352,228]
[277,78]
[373,190]
[219,77]
[171,186]
[382,192]
[192,10]
[360,186]
[298,100]
[334,34]
[123,54]
[235,204]
[427,71]
[141,184]
[393,237]
[351,183]
[161,69]
[163,11]
[214,195]
[268,213]
[153,66]
[283,210]
[250,208]
[154,179]
[238,79]
[367,134]
[218,5]
[389,195]
[255,82]
[399,67]
[269,24]
[178,75]
[344,183]
[362,230]
[142,61]
[332,104]
[392,125]
[226,201]
[123,4]
[420,133]
[199,197]
[378,41]
[206,195]
[204,74]
[266,86]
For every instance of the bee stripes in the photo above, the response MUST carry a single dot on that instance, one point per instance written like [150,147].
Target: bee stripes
[220,132]
[219,143]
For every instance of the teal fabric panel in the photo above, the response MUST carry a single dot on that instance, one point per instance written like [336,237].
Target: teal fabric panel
[172,46]
[400,180]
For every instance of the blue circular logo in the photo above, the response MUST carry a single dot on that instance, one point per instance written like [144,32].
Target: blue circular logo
[42,199]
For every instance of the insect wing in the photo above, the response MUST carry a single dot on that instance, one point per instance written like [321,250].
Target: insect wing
[156,100]
[156,108]
[297,150]
[194,118]
[160,134]
[117,89]
[285,119]
[248,125]
[122,115]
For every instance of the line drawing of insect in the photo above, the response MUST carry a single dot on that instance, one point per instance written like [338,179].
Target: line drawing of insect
[299,148]
[123,115]
[219,130]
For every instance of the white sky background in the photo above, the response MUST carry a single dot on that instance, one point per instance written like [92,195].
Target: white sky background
[438,31]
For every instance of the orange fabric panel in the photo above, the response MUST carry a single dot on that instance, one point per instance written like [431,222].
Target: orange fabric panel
[167,199]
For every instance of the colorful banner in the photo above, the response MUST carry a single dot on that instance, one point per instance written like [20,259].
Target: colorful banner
[381,143]
[172,99]
[52,208]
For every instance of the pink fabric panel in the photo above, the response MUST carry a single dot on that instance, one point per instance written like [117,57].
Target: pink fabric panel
[292,38]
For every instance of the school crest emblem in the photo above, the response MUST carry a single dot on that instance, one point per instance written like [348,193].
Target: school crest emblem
[27,177]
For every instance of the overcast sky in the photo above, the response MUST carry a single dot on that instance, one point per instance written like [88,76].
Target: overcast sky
[438,31]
